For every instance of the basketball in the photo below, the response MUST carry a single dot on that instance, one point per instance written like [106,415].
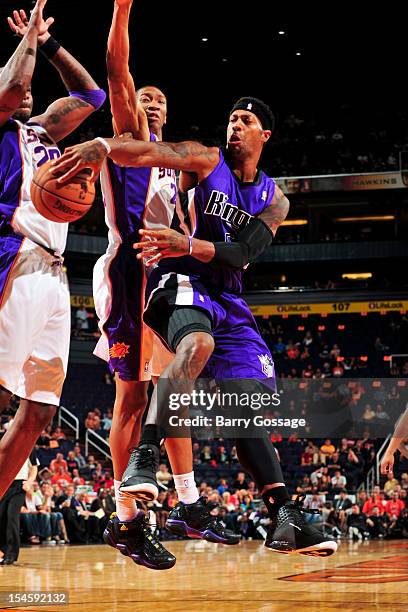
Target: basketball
[62,203]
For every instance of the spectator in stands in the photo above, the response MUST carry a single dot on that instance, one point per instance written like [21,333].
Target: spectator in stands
[377,524]
[361,500]
[163,476]
[92,421]
[61,477]
[45,437]
[280,347]
[314,502]
[77,478]
[221,455]
[58,462]
[292,350]
[356,523]
[326,450]
[342,506]
[45,476]
[206,454]
[56,519]
[338,482]
[240,482]
[72,462]
[393,508]
[308,339]
[107,420]
[335,352]
[58,434]
[368,413]
[404,481]
[222,487]
[81,319]
[79,457]
[196,453]
[390,485]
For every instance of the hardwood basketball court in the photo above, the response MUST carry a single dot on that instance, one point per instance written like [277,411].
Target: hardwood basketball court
[361,576]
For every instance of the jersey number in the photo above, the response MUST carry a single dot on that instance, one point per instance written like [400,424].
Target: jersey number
[47,154]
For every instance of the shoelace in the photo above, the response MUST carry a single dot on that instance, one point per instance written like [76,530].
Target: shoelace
[152,539]
[208,518]
[142,457]
[295,508]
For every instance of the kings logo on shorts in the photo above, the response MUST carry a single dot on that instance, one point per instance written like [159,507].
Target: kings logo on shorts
[119,350]
[267,365]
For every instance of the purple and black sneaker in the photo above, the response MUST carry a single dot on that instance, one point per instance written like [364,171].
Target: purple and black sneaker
[196,521]
[135,540]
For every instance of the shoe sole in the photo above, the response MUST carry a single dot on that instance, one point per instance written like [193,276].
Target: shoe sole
[142,492]
[324,549]
[122,548]
[181,528]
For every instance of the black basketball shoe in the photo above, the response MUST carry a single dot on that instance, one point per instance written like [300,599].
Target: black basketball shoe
[292,534]
[135,540]
[195,521]
[139,480]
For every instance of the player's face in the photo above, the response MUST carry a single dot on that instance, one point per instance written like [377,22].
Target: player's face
[245,135]
[154,103]
[23,113]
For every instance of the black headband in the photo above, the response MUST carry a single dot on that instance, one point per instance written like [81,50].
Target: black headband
[256,107]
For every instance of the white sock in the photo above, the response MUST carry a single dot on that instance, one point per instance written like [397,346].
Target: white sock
[186,488]
[126,508]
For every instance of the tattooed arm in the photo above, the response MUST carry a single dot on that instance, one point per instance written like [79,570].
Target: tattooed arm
[64,115]
[15,77]
[249,245]
[137,153]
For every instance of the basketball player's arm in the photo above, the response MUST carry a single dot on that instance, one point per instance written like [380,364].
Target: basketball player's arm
[250,242]
[396,443]
[64,115]
[127,115]
[190,156]
[15,77]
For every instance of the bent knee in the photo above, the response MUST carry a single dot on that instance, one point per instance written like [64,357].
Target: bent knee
[195,349]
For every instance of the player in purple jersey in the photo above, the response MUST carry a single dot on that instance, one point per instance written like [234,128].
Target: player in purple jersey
[195,306]
[34,296]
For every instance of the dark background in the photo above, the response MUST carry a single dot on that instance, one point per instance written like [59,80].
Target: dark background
[350,57]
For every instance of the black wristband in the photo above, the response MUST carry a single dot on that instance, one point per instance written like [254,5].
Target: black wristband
[49,48]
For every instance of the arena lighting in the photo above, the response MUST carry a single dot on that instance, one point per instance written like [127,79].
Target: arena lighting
[204,39]
[363,358]
[365,218]
[341,327]
[401,383]
[296,222]
[387,357]
[376,383]
[281,32]
[357,275]
[301,328]
[339,358]
[321,328]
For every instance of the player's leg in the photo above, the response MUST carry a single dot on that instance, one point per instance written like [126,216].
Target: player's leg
[188,332]
[237,335]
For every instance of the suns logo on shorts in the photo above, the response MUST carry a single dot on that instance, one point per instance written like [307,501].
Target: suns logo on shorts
[119,350]
[267,365]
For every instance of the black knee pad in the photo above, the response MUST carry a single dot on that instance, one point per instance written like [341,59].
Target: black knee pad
[183,321]
[259,458]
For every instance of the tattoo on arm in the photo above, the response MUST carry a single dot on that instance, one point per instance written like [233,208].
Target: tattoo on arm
[185,150]
[30,51]
[73,74]
[275,214]
[68,107]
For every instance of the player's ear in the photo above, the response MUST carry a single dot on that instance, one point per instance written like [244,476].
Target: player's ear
[266,135]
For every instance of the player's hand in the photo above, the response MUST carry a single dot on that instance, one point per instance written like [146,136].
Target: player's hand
[26,486]
[387,463]
[20,23]
[159,244]
[89,154]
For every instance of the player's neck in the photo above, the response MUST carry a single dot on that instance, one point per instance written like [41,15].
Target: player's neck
[158,133]
[245,170]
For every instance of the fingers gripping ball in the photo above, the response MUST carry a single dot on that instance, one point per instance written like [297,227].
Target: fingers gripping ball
[62,202]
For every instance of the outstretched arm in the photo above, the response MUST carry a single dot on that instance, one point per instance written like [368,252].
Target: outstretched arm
[250,242]
[66,114]
[15,77]
[127,115]
[125,151]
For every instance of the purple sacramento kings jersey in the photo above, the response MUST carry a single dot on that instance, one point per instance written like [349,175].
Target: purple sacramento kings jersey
[223,205]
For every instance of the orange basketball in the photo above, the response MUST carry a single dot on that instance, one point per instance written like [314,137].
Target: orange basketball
[64,202]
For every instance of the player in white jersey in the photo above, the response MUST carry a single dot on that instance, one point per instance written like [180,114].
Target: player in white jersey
[34,295]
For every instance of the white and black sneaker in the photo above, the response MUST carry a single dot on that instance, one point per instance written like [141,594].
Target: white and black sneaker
[292,534]
[139,480]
